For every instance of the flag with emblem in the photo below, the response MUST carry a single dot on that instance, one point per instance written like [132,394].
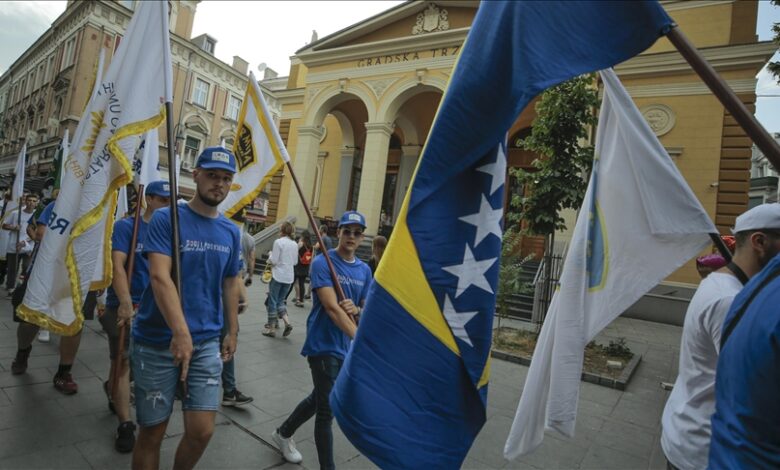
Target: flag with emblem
[413,391]
[638,223]
[258,148]
[17,188]
[128,100]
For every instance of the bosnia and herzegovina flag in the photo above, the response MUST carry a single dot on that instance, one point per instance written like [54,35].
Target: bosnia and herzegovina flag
[413,391]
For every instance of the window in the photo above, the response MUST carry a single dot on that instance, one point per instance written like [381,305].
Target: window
[209,46]
[49,68]
[23,89]
[234,106]
[40,76]
[67,56]
[200,93]
[191,150]
[31,82]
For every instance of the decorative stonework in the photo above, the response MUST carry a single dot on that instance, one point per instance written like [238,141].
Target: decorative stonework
[431,20]
[312,93]
[379,86]
[660,117]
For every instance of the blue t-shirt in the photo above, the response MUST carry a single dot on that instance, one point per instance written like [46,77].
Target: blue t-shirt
[209,254]
[323,337]
[746,423]
[120,241]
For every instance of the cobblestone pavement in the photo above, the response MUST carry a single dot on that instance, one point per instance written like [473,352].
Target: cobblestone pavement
[40,428]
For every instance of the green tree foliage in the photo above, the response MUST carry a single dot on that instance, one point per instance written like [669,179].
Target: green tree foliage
[774,67]
[565,116]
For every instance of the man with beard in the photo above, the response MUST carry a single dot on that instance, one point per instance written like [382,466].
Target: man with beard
[176,339]
[686,418]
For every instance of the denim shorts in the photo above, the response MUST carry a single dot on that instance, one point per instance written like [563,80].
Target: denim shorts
[156,380]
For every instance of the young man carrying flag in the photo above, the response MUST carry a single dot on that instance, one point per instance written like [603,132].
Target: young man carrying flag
[176,339]
[329,331]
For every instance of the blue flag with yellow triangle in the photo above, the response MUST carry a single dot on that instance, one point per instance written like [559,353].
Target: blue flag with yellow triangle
[413,391]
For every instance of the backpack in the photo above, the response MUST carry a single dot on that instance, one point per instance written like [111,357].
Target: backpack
[305,258]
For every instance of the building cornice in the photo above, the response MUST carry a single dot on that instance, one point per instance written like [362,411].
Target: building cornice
[722,58]
[689,4]
[747,85]
[452,37]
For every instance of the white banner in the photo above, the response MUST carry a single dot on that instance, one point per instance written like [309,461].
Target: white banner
[127,101]
[258,148]
[638,223]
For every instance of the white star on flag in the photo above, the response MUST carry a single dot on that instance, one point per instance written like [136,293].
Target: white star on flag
[471,272]
[457,320]
[497,170]
[487,221]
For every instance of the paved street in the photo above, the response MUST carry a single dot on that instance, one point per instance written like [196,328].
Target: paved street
[40,428]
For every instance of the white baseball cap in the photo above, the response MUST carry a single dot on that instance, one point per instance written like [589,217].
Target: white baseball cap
[763,217]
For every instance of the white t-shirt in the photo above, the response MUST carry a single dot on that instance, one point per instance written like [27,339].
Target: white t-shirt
[284,256]
[686,419]
[13,218]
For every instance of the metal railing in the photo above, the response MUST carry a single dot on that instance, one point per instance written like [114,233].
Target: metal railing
[544,286]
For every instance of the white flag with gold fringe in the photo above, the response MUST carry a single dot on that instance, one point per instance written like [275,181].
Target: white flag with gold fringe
[258,148]
[127,101]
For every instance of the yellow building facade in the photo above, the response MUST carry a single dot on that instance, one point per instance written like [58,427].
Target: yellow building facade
[359,105]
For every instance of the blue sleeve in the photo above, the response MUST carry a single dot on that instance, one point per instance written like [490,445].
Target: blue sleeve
[234,263]
[319,274]
[158,235]
[123,234]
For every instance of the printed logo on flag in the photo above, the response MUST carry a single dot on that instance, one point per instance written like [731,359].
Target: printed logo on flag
[244,150]
[166,187]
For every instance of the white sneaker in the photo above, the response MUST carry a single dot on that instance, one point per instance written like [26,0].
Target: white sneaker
[287,446]
[43,336]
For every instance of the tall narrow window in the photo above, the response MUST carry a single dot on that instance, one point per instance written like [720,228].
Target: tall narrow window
[200,92]
[67,56]
[191,150]
[234,106]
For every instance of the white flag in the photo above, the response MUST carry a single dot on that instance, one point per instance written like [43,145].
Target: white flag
[638,223]
[147,160]
[258,148]
[127,101]
[121,203]
[17,190]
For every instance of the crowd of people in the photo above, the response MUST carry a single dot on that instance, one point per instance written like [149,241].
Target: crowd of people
[166,347]
[722,412]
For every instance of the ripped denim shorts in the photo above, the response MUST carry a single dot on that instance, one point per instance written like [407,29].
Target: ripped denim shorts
[157,379]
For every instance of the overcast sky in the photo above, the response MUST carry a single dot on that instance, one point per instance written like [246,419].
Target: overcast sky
[271,31]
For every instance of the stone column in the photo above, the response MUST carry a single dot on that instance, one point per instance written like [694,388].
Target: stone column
[305,165]
[345,177]
[409,156]
[372,179]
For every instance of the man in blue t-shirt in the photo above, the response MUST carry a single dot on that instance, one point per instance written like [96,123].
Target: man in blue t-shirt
[746,423]
[329,330]
[176,339]
[121,300]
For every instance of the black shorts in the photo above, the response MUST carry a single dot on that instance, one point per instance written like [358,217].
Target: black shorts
[108,321]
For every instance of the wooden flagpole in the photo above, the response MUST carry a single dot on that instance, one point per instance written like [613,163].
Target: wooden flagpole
[129,265]
[727,97]
[331,268]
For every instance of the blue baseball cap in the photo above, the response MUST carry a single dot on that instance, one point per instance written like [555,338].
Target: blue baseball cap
[217,158]
[352,217]
[159,188]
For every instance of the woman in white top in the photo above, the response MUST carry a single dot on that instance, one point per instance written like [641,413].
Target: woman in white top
[284,256]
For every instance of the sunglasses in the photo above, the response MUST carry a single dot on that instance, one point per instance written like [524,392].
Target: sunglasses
[355,233]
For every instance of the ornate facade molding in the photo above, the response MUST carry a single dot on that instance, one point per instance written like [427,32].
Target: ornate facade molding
[379,86]
[430,20]
[386,128]
[747,85]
